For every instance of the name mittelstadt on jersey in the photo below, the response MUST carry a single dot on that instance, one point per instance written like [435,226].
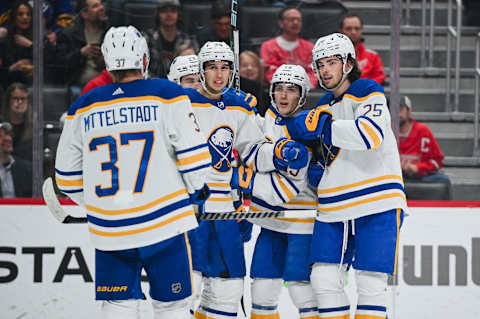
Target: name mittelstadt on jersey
[122,115]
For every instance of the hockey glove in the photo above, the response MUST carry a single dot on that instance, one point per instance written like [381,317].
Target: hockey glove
[313,125]
[288,153]
[247,97]
[198,199]
[315,173]
[242,179]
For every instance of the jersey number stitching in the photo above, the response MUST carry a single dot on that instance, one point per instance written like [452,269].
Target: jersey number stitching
[147,136]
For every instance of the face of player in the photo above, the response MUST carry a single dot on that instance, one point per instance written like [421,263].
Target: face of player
[223,27]
[330,70]
[191,81]
[287,96]
[352,27]
[168,16]
[249,68]
[217,74]
[291,23]
[23,18]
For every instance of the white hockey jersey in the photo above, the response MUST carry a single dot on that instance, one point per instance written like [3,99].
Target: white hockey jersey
[130,153]
[230,123]
[363,175]
[274,128]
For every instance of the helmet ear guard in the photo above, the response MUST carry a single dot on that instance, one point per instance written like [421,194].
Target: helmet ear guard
[295,74]
[125,48]
[335,44]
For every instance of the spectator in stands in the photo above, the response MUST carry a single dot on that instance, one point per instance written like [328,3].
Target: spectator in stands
[57,14]
[368,60]
[78,46]
[17,53]
[420,155]
[166,37]
[186,48]
[251,79]
[15,173]
[220,28]
[288,48]
[17,111]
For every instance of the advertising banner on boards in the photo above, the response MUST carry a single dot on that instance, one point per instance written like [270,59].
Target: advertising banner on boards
[47,269]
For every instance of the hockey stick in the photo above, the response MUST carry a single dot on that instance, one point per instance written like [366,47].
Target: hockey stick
[63,217]
[54,205]
[301,213]
[235,43]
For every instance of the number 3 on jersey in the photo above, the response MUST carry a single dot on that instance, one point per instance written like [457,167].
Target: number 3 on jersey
[147,137]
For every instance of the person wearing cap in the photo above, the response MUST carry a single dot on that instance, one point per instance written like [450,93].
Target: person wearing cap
[420,154]
[166,37]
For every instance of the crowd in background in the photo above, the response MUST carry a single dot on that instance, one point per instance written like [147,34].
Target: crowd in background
[72,56]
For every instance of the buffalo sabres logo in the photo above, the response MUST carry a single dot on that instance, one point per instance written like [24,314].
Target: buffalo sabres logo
[220,105]
[220,144]
[331,152]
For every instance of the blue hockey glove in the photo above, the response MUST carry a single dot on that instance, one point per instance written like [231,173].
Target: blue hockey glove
[315,173]
[198,199]
[242,179]
[310,126]
[288,153]
[247,97]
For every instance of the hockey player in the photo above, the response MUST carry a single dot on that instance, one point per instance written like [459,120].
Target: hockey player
[283,246]
[133,156]
[229,122]
[361,199]
[184,70]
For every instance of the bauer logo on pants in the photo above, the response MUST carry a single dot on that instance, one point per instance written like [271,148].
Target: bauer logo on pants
[220,144]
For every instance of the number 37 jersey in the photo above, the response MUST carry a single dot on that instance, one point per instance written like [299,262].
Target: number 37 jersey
[130,153]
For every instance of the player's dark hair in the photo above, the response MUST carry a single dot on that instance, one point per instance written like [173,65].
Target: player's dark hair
[356,73]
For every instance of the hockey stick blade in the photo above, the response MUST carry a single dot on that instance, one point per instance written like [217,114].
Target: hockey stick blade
[254,215]
[54,206]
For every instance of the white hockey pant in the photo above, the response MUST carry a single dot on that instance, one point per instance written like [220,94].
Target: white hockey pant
[328,286]
[197,291]
[265,294]
[220,298]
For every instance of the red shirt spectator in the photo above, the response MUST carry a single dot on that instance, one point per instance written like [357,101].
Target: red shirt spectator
[420,154]
[274,55]
[101,79]
[420,148]
[368,60]
[370,63]
[288,48]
